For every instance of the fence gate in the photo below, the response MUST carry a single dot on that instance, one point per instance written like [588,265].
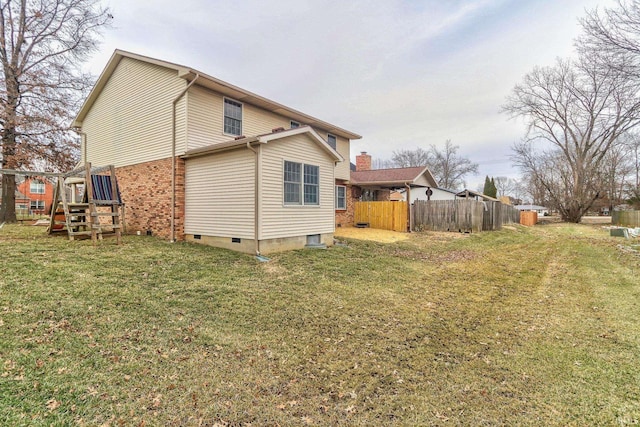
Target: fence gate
[382,215]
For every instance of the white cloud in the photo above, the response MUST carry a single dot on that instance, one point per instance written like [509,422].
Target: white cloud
[402,73]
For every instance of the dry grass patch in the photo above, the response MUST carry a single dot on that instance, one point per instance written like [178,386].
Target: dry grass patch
[533,326]
[381,236]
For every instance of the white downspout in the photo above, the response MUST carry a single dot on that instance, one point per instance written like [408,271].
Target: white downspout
[173,157]
[256,209]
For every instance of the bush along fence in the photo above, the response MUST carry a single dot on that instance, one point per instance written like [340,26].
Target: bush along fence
[626,218]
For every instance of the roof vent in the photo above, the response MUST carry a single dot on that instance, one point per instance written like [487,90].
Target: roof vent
[274,130]
[239,137]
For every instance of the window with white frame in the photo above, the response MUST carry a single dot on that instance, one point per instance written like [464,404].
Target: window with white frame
[311,185]
[331,139]
[292,178]
[37,205]
[36,186]
[232,117]
[301,184]
[294,124]
[341,197]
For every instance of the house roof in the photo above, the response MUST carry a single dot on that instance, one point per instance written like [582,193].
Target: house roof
[18,195]
[530,207]
[189,74]
[446,190]
[467,193]
[264,139]
[396,177]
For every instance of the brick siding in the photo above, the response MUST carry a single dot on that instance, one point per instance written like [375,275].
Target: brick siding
[363,162]
[146,191]
[346,218]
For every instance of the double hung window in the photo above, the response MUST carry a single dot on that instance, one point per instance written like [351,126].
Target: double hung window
[301,184]
[232,117]
[36,187]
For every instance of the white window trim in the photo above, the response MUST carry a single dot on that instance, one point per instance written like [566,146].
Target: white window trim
[302,204]
[224,98]
[41,183]
[339,208]
[38,203]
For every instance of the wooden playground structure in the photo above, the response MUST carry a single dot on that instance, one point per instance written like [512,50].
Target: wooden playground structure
[86,202]
[82,198]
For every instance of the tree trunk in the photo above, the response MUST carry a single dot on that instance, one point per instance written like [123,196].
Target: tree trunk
[572,215]
[9,161]
[8,202]
[8,205]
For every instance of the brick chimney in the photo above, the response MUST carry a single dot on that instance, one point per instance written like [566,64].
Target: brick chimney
[363,162]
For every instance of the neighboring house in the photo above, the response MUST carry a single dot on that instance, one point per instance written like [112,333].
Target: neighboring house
[541,210]
[202,160]
[369,184]
[38,195]
[470,194]
[22,203]
[435,194]
[396,196]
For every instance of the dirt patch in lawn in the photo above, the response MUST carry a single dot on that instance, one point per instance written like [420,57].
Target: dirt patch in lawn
[387,236]
[382,236]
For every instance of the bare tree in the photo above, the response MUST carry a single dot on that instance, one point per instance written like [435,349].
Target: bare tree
[616,174]
[505,186]
[43,44]
[631,150]
[382,164]
[410,158]
[612,36]
[576,111]
[449,168]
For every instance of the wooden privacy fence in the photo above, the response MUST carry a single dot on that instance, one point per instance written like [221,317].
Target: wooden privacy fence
[382,215]
[462,215]
[496,214]
[626,218]
[448,215]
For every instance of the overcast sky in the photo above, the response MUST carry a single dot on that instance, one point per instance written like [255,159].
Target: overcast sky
[403,74]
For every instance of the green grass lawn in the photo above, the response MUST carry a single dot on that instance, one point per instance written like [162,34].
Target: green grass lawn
[525,326]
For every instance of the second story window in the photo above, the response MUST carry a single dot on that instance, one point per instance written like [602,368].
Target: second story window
[331,139]
[36,187]
[232,117]
[294,124]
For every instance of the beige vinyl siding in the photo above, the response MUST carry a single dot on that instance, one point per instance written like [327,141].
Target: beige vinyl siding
[181,125]
[219,194]
[257,121]
[131,120]
[206,118]
[343,169]
[278,220]
[423,181]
